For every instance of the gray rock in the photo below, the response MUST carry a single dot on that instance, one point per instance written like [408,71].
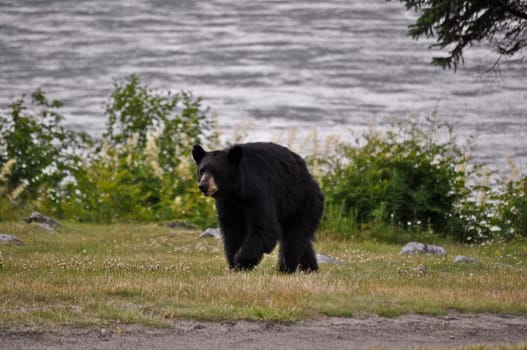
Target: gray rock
[420,270]
[46,222]
[5,239]
[414,247]
[464,259]
[211,232]
[324,259]
[47,227]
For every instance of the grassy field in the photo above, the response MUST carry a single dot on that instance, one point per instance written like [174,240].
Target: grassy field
[84,275]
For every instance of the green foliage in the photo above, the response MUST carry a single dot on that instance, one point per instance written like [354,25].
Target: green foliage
[512,208]
[459,24]
[407,184]
[126,185]
[142,171]
[339,220]
[33,137]
[403,177]
[412,181]
[177,121]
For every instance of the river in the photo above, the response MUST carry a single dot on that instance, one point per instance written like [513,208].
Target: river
[277,65]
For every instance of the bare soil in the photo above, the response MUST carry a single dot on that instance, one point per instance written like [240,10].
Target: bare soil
[405,332]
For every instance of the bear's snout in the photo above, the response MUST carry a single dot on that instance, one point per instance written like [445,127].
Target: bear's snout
[207,185]
[204,188]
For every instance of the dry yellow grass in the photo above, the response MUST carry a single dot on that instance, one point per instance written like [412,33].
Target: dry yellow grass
[150,274]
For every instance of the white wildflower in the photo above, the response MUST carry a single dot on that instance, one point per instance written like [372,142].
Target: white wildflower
[6,169]
[152,153]
[18,191]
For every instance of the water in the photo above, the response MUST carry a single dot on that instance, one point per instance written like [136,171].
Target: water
[336,66]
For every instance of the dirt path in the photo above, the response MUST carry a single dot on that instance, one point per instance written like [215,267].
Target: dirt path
[410,331]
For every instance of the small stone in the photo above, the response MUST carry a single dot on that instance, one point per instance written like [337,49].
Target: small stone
[324,259]
[46,222]
[211,232]
[415,247]
[420,270]
[464,259]
[105,335]
[47,227]
[4,239]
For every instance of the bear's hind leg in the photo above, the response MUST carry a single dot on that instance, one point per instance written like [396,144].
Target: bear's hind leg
[291,252]
[297,254]
[296,247]
[308,262]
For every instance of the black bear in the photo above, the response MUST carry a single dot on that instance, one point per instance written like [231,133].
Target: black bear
[264,194]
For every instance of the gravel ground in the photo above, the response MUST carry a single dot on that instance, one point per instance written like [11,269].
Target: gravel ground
[410,331]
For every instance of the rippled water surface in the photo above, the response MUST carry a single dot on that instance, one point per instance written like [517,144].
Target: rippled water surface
[336,65]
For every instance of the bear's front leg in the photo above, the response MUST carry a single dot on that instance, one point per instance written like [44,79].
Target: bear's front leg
[232,240]
[248,256]
[232,224]
[261,236]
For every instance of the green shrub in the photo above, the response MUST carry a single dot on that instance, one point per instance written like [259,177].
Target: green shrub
[511,212]
[411,181]
[403,177]
[142,170]
[472,219]
[43,152]
[126,185]
[174,120]
[339,221]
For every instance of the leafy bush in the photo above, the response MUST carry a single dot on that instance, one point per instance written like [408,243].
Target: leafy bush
[121,184]
[42,150]
[141,170]
[404,177]
[511,209]
[401,176]
[412,180]
[176,120]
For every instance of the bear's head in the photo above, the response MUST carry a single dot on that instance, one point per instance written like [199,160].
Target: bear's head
[217,170]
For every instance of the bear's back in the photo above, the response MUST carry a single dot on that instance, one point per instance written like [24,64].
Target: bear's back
[270,157]
[276,169]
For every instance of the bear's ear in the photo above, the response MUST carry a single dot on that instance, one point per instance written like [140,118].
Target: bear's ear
[235,155]
[198,153]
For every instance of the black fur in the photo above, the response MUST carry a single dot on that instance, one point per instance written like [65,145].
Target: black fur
[265,195]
